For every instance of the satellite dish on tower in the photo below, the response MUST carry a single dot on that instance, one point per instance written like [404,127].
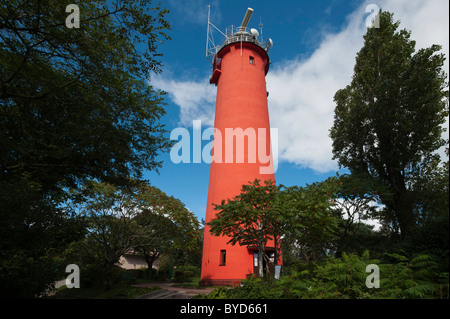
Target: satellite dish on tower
[254,32]
[270,42]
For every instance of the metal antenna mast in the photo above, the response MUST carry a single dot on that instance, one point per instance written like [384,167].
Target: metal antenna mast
[260,28]
[207,30]
[211,47]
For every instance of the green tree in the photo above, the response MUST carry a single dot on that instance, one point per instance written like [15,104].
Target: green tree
[33,232]
[169,226]
[251,219]
[356,200]
[139,219]
[75,104]
[302,217]
[110,228]
[310,223]
[388,121]
[431,188]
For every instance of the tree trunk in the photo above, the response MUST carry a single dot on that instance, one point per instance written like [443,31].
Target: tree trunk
[268,265]
[277,253]
[261,261]
[275,261]
[150,259]
[109,279]
[402,205]
[405,215]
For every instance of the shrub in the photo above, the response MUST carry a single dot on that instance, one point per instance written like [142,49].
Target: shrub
[254,288]
[345,278]
[179,276]
[194,269]
[188,274]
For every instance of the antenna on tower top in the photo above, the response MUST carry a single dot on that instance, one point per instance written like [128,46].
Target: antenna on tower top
[207,30]
[211,47]
[246,19]
[260,28]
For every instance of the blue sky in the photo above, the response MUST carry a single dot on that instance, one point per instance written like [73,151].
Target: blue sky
[315,43]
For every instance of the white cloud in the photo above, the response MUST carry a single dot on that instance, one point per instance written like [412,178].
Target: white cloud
[301,98]
[301,90]
[195,99]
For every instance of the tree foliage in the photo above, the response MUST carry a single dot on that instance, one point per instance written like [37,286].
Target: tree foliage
[75,104]
[139,219]
[388,121]
[251,219]
[300,215]
[356,201]
[168,226]
[310,223]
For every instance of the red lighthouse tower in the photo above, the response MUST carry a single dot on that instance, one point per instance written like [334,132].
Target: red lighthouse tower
[241,144]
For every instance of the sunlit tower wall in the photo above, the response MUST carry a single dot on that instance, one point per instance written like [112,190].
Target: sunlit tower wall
[240,64]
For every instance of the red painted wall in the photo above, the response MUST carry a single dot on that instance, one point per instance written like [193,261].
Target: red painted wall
[241,103]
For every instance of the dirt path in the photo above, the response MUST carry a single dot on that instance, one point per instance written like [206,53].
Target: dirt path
[170,292]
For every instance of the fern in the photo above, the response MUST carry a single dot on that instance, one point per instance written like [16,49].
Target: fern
[421,291]
[345,277]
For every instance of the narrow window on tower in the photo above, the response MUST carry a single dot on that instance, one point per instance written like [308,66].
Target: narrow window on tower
[252,60]
[223,257]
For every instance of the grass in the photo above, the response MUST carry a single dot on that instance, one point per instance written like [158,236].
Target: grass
[193,282]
